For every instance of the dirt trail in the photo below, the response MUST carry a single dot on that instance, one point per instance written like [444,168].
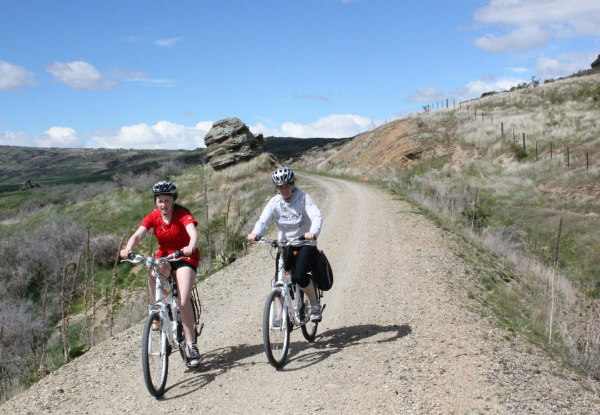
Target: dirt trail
[397,337]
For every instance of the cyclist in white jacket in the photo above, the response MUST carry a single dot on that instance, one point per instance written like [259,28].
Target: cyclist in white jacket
[295,215]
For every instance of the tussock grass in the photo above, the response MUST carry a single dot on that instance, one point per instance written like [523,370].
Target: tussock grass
[52,222]
[478,179]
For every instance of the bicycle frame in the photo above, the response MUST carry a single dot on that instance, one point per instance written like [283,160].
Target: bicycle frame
[165,302]
[164,312]
[284,307]
[292,302]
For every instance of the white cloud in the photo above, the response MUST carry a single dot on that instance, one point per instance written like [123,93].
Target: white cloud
[9,138]
[138,76]
[473,89]
[13,77]
[168,43]
[563,65]
[313,97]
[526,24]
[163,134]
[332,126]
[80,75]
[58,137]
[520,39]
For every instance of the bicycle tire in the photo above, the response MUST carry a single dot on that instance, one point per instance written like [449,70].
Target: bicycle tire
[309,329]
[276,338]
[197,308]
[155,356]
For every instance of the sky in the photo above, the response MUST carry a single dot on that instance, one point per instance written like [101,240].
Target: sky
[149,74]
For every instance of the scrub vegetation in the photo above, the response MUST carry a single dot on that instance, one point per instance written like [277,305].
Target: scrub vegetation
[515,174]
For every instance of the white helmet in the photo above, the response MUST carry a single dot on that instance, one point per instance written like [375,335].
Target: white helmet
[283,175]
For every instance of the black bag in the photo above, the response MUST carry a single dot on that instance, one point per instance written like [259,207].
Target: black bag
[322,272]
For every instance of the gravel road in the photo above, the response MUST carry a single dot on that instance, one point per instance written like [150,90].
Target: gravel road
[397,336]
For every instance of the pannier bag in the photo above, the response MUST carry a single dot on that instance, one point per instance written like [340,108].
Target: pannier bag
[322,272]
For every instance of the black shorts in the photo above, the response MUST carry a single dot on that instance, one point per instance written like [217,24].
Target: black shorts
[301,263]
[175,265]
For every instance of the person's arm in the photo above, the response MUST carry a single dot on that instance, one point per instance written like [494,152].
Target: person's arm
[263,222]
[193,233]
[133,241]
[316,218]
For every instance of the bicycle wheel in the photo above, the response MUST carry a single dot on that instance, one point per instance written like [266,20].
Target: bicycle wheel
[276,330]
[155,359]
[309,330]
[197,308]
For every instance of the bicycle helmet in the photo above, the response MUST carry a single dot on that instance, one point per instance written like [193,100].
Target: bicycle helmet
[165,187]
[283,175]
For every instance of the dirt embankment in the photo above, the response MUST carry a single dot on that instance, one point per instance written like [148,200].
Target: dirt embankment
[397,337]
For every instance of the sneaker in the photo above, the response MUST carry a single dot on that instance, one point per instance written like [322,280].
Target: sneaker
[194,355]
[315,313]
[155,325]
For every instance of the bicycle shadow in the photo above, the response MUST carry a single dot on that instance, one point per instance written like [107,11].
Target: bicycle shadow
[334,341]
[213,364]
[220,361]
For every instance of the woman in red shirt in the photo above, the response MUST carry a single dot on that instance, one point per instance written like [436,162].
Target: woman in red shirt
[175,229]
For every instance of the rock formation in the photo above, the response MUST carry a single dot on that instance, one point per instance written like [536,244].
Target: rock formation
[596,63]
[230,141]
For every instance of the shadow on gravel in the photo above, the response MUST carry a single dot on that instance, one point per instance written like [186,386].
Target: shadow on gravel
[334,341]
[213,364]
[220,361]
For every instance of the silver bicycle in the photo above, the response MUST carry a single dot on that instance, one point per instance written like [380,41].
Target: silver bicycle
[286,307]
[163,330]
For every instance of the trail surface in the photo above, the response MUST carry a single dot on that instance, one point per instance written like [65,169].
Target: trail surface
[397,337]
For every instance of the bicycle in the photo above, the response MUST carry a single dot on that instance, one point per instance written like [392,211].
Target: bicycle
[162,333]
[286,307]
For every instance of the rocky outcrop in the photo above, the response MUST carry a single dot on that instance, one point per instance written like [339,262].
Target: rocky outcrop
[596,63]
[230,141]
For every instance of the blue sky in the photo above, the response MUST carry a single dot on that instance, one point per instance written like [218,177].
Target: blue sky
[157,74]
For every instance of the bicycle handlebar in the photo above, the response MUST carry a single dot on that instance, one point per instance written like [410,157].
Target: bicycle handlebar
[275,243]
[149,261]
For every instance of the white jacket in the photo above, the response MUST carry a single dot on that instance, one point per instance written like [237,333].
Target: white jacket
[293,219]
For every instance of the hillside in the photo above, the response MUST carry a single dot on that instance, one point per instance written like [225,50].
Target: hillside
[401,333]
[512,179]
[517,173]
[47,166]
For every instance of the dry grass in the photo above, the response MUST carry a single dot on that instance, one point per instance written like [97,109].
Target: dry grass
[522,193]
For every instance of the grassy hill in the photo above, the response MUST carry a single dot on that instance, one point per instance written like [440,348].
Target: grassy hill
[48,166]
[516,174]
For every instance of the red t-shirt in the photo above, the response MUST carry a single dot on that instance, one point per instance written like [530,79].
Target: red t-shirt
[172,236]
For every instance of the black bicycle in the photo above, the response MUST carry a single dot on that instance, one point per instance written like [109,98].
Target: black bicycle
[163,330]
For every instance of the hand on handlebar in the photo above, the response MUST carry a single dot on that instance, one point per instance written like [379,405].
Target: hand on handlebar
[309,236]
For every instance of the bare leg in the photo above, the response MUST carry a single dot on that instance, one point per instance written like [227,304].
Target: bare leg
[185,281]
[165,269]
[310,292]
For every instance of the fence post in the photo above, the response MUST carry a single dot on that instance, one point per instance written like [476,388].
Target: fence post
[568,156]
[524,142]
[587,161]
[536,152]
[551,150]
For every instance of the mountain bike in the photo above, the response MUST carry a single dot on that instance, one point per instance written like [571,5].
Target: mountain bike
[163,329]
[286,307]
